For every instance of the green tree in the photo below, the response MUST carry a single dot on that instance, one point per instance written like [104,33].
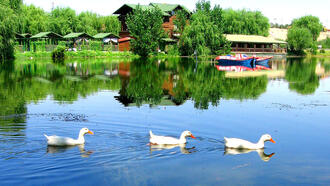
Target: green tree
[181,20]
[299,39]
[110,24]
[311,23]
[34,20]
[145,27]
[88,22]
[245,22]
[63,21]
[9,11]
[204,34]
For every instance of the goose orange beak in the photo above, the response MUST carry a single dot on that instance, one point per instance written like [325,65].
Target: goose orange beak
[90,132]
[272,154]
[192,136]
[272,140]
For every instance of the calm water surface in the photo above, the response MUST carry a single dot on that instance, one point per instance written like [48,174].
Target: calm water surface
[121,101]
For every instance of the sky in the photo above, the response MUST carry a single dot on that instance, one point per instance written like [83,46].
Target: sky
[278,11]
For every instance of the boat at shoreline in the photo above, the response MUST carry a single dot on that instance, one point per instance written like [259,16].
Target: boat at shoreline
[239,59]
[242,62]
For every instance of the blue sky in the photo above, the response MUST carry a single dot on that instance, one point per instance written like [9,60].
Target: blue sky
[280,11]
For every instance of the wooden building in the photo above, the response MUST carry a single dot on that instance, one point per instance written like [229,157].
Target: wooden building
[124,44]
[168,10]
[51,40]
[77,40]
[23,41]
[256,44]
[109,41]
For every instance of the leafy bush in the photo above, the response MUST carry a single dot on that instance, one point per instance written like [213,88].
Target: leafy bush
[325,43]
[38,46]
[322,51]
[59,52]
[95,45]
[173,50]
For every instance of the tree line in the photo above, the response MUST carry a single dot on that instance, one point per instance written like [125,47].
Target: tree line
[16,17]
[64,21]
[201,32]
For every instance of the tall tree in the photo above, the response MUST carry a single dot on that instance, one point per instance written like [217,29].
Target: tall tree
[34,20]
[88,22]
[110,24]
[204,35]
[146,28]
[180,21]
[245,22]
[63,21]
[312,23]
[299,39]
[9,11]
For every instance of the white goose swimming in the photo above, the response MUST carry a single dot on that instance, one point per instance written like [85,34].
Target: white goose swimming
[65,141]
[166,140]
[243,144]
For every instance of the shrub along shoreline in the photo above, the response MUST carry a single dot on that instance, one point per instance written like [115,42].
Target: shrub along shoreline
[75,54]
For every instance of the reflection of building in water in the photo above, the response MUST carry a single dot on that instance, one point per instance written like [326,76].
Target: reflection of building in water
[277,70]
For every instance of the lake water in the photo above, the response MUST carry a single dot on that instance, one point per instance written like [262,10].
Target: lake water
[120,101]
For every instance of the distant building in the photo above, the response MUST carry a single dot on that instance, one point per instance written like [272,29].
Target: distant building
[256,44]
[282,33]
[168,10]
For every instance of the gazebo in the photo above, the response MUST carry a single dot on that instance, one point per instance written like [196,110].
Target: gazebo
[23,41]
[50,40]
[109,40]
[78,39]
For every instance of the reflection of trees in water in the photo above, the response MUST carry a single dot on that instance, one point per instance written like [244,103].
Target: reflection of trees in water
[154,82]
[301,75]
[12,105]
[149,82]
[25,83]
[244,88]
[144,83]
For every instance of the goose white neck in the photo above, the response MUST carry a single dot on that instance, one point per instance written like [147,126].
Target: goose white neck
[261,143]
[81,137]
[183,138]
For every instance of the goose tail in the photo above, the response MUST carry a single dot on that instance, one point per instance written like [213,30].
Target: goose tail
[46,136]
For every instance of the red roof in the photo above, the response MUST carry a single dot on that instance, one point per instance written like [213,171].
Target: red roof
[124,39]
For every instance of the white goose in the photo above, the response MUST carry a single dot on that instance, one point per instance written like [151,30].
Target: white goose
[65,141]
[166,140]
[243,144]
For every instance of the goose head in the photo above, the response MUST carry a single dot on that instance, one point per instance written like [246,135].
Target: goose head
[266,137]
[84,131]
[187,134]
